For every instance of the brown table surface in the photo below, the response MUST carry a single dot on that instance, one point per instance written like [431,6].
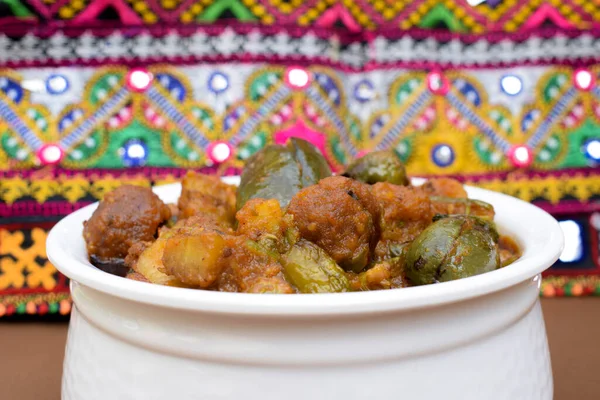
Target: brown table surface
[32,353]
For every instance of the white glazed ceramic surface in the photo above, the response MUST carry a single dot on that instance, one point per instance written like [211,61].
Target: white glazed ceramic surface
[477,338]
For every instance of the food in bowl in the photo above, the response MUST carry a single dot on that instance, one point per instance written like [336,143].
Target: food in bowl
[292,227]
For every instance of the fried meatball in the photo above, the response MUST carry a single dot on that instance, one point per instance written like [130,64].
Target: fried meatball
[127,215]
[360,191]
[446,187]
[407,212]
[336,216]
[209,195]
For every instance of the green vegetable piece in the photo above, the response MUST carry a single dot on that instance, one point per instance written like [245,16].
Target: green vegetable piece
[311,270]
[379,166]
[358,262]
[271,173]
[313,166]
[453,248]
[266,247]
[279,172]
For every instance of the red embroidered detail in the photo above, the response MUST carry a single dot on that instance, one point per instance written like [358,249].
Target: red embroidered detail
[341,13]
[544,13]
[94,9]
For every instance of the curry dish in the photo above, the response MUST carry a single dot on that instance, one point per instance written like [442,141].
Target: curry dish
[292,227]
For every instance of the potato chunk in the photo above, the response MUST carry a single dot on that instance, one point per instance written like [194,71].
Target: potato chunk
[194,259]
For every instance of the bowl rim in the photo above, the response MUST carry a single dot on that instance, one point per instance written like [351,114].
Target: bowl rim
[528,267]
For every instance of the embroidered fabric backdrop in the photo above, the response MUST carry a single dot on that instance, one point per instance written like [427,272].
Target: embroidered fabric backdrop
[94,94]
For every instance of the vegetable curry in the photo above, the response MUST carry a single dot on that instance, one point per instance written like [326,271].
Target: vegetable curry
[292,227]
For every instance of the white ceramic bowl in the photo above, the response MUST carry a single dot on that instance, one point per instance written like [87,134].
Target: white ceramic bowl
[477,338]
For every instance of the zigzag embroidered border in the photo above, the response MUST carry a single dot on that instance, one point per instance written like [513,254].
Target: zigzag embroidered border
[353,15]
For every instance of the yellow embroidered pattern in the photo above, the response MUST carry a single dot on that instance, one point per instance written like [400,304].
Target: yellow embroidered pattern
[550,188]
[71,188]
[20,267]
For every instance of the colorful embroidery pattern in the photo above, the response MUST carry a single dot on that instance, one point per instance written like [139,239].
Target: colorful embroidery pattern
[35,304]
[566,286]
[39,274]
[341,113]
[23,261]
[29,283]
[458,16]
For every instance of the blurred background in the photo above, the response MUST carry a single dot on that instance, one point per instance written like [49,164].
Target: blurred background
[501,94]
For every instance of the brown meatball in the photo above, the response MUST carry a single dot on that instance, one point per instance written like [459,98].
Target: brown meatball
[360,191]
[406,213]
[335,215]
[127,215]
[209,195]
[446,187]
